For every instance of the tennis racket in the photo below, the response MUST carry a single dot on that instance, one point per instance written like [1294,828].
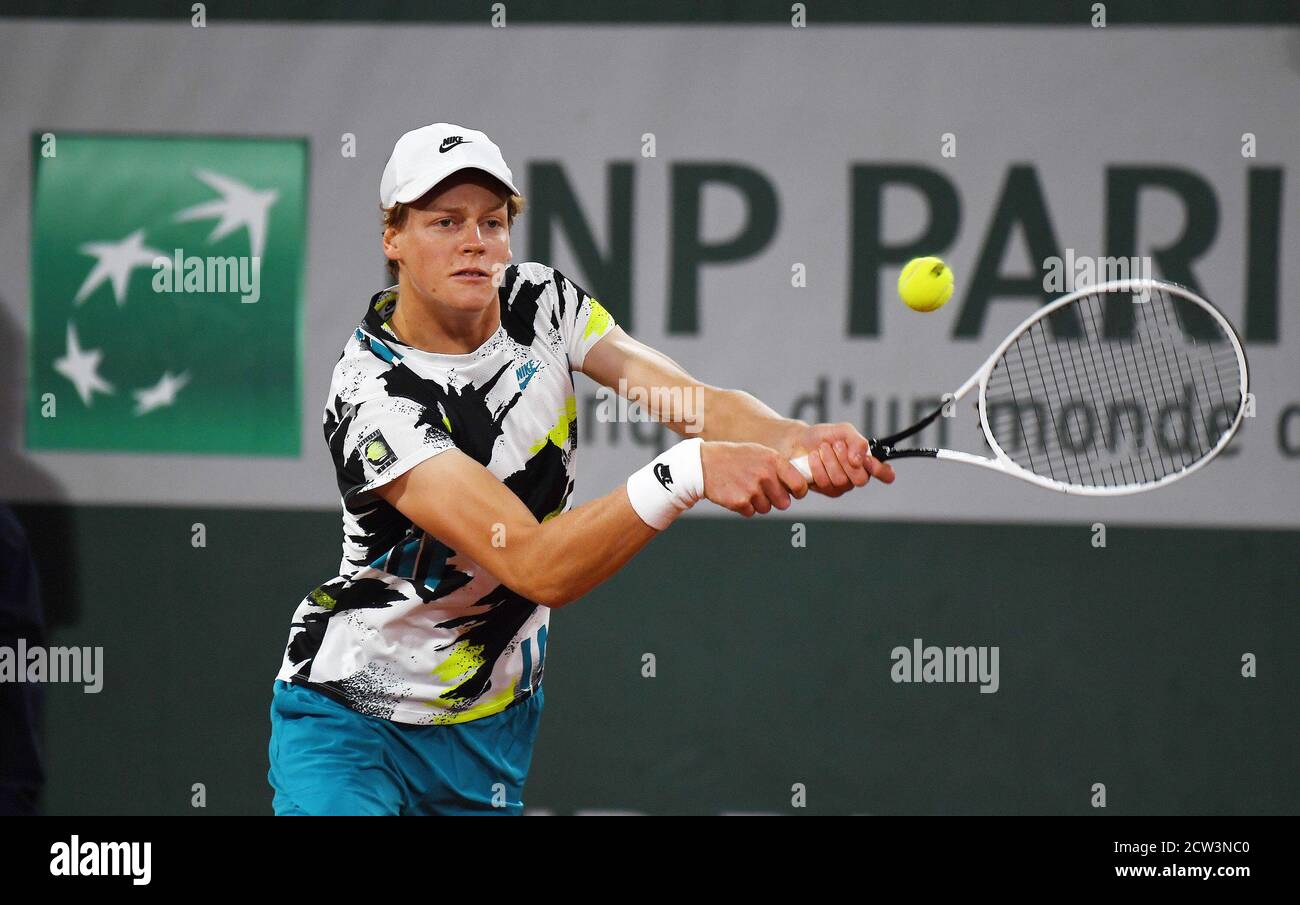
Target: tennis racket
[1113,389]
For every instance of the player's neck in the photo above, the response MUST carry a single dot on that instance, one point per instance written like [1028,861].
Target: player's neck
[430,327]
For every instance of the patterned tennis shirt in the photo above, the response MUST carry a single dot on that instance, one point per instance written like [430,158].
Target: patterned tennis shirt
[411,630]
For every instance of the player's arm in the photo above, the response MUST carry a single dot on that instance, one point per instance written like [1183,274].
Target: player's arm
[839,456]
[551,563]
[685,405]
[557,561]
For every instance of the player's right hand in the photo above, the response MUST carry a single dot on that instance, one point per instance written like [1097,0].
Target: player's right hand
[749,478]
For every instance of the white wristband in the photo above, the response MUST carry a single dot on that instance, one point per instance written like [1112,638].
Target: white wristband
[669,484]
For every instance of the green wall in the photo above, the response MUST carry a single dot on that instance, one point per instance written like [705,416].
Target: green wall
[1119,665]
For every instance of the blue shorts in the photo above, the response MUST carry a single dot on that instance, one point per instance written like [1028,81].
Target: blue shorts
[329,759]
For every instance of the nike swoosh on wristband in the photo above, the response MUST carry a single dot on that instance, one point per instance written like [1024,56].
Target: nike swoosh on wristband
[664,476]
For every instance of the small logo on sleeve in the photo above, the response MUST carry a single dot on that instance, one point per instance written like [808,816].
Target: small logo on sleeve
[665,476]
[376,451]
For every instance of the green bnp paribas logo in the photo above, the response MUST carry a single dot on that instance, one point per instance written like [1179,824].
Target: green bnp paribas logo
[167,276]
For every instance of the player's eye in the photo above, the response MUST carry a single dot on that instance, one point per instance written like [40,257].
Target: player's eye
[495,223]
[446,220]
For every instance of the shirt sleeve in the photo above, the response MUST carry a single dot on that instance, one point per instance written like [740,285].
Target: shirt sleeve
[584,320]
[383,438]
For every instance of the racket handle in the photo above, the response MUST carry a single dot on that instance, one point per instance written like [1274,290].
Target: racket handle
[801,465]
[881,452]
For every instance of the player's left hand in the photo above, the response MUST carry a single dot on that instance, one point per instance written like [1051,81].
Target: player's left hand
[839,458]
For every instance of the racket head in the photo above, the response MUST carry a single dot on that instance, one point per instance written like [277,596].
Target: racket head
[1147,377]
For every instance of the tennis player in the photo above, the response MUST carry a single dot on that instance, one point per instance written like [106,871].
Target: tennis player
[412,681]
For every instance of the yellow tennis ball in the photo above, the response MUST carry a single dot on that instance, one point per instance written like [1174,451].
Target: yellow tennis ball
[925,284]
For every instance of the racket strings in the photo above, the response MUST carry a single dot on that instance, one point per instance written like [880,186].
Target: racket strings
[1105,411]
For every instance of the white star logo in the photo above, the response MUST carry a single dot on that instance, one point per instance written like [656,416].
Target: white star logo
[240,205]
[116,261]
[160,394]
[82,368]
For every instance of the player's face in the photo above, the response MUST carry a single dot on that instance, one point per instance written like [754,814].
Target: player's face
[460,224]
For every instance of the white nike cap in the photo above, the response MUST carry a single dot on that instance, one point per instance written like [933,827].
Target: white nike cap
[424,157]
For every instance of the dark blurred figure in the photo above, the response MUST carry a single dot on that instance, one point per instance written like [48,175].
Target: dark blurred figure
[21,703]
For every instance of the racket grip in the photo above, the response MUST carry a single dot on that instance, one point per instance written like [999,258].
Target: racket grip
[801,465]
[801,462]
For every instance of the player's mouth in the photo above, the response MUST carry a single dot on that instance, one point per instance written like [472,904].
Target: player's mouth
[471,275]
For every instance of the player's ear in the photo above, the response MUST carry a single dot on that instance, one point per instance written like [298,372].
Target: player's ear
[392,249]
